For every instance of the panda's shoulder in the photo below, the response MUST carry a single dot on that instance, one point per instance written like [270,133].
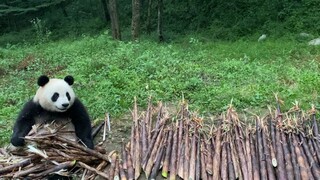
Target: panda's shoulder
[77,103]
[31,106]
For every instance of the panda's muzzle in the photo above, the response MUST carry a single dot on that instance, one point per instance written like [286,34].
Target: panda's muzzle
[65,105]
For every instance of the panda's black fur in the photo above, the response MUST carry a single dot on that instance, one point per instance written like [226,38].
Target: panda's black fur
[32,110]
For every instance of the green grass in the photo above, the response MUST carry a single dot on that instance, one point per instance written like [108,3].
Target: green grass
[208,74]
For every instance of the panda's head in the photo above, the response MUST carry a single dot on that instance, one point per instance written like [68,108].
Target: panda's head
[55,95]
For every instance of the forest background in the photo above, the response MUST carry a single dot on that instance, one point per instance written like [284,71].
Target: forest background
[205,51]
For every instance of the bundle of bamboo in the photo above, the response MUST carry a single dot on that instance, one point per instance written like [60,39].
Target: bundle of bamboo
[279,146]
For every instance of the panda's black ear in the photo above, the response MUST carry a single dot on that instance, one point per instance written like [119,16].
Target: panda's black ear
[69,80]
[43,80]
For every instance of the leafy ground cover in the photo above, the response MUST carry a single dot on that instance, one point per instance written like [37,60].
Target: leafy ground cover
[209,74]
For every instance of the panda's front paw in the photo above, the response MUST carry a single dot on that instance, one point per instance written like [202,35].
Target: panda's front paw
[88,143]
[16,141]
[13,149]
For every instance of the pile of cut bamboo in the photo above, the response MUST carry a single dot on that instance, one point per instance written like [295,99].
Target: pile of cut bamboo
[183,145]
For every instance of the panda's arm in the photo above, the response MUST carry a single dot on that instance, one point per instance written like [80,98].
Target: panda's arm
[24,123]
[81,121]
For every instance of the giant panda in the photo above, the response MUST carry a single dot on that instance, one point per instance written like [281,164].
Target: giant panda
[54,102]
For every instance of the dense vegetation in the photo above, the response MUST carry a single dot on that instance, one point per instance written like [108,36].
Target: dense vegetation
[210,55]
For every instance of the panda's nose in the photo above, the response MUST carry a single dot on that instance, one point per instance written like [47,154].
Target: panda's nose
[65,105]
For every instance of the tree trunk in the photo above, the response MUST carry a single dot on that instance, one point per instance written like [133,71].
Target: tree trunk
[112,7]
[135,19]
[105,10]
[160,12]
[149,17]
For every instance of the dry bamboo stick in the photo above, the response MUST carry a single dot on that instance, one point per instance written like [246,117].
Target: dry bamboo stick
[20,164]
[76,145]
[64,165]
[31,170]
[102,174]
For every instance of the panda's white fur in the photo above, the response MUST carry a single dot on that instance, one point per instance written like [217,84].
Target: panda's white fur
[54,103]
[44,95]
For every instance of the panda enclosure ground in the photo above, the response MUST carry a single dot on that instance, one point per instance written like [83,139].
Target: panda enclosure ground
[181,144]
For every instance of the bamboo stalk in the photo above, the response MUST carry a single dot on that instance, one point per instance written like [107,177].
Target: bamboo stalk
[248,156]
[157,164]
[130,167]
[272,143]
[166,162]
[173,162]
[241,152]
[281,173]
[231,173]
[198,158]
[262,158]
[270,170]
[113,159]
[296,169]
[217,155]
[203,161]
[123,174]
[208,156]
[181,160]
[124,159]
[301,161]
[255,162]
[287,157]
[192,166]
[315,169]
[224,161]
[187,153]
[153,154]
[180,133]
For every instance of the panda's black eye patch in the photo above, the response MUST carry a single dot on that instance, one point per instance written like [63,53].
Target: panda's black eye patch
[55,97]
[68,96]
